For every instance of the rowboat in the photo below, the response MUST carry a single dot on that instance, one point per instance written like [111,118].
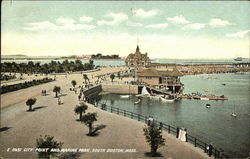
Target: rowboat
[165,100]
[124,96]
[137,102]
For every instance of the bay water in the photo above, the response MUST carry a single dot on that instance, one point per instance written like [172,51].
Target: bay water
[214,126]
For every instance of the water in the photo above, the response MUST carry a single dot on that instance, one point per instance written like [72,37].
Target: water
[198,61]
[214,125]
[96,62]
[122,62]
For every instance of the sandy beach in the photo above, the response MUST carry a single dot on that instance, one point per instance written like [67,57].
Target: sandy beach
[60,121]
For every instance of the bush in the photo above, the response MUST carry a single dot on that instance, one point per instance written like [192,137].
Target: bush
[50,143]
[15,87]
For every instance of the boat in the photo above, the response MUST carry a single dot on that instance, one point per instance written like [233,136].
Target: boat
[204,98]
[234,114]
[166,100]
[144,92]
[238,59]
[208,105]
[124,96]
[156,96]
[137,102]
[223,84]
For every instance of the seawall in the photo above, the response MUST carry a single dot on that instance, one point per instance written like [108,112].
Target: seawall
[120,89]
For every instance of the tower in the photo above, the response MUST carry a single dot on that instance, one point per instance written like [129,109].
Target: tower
[137,49]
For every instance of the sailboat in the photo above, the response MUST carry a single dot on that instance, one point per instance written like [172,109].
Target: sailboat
[144,92]
[234,114]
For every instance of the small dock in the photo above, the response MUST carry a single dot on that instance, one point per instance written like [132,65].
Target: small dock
[203,97]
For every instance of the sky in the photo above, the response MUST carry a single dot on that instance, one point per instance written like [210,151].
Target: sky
[163,29]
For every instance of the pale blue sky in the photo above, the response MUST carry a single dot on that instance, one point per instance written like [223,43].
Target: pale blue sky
[165,29]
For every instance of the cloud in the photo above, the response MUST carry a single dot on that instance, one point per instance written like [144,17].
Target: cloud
[85,19]
[158,26]
[177,46]
[239,34]
[61,24]
[117,18]
[65,21]
[193,26]
[39,25]
[178,20]
[134,24]
[140,13]
[219,23]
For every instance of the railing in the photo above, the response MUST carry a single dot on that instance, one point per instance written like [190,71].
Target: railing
[208,148]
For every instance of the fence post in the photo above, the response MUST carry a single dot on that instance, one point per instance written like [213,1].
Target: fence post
[215,155]
[219,152]
[161,125]
[177,132]
[205,149]
[169,129]
[195,142]
[210,150]
[186,135]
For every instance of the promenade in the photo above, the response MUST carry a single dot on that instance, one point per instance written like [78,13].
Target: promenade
[49,118]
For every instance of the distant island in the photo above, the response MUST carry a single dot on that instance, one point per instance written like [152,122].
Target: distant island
[100,56]
[18,55]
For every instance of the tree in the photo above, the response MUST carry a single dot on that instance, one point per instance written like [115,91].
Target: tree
[79,109]
[88,120]
[73,82]
[57,89]
[30,102]
[154,138]
[85,77]
[112,76]
[119,75]
[50,143]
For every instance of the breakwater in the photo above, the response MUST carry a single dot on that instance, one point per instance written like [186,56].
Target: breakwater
[193,69]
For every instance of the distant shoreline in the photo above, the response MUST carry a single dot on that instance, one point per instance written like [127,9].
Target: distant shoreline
[25,58]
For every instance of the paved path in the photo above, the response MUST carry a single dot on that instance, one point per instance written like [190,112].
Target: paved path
[60,122]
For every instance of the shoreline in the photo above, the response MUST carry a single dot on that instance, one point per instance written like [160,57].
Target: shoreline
[60,77]
[65,83]
[72,133]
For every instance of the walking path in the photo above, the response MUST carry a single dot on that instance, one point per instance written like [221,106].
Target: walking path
[49,118]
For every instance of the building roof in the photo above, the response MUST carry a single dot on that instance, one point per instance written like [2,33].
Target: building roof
[174,72]
[137,55]
[149,72]
[156,73]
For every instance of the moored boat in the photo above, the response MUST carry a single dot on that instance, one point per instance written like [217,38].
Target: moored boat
[137,102]
[166,100]
[124,96]
[238,59]
[204,98]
